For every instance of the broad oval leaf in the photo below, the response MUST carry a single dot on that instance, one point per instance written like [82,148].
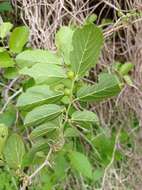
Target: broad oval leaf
[42,113]
[81,163]
[107,87]
[45,73]
[5,29]
[38,95]
[87,42]
[5,60]
[43,129]
[19,37]
[14,151]
[28,58]
[63,42]
[84,116]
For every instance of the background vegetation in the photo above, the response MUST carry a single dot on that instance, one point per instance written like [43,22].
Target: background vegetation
[111,146]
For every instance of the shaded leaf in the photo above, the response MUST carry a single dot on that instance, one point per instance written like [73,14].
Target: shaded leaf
[81,163]
[5,6]
[14,151]
[30,156]
[3,136]
[71,132]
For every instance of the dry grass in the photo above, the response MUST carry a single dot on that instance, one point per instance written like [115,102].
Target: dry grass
[123,42]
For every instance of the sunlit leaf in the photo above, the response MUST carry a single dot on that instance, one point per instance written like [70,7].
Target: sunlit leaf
[30,57]
[6,60]
[19,37]
[87,42]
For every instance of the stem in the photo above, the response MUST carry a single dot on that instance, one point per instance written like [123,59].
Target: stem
[28,180]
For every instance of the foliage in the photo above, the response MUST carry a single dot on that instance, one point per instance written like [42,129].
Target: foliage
[51,112]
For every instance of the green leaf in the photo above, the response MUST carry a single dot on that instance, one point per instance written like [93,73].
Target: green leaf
[43,129]
[81,163]
[71,132]
[6,60]
[126,68]
[29,157]
[5,29]
[5,6]
[3,136]
[85,116]
[104,146]
[38,95]
[45,73]
[10,73]
[19,37]
[61,166]
[8,117]
[87,43]
[63,42]
[28,58]
[42,113]
[107,87]
[98,174]
[14,151]
[2,49]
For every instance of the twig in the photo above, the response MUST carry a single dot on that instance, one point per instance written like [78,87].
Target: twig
[112,159]
[9,99]
[28,180]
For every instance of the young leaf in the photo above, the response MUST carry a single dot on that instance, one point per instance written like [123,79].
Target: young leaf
[5,29]
[38,95]
[42,113]
[63,42]
[18,39]
[81,163]
[45,73]
[28,58]
[6,60]
[14,151]
[87,43]
[108,86]
[126,68]
[86,116]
